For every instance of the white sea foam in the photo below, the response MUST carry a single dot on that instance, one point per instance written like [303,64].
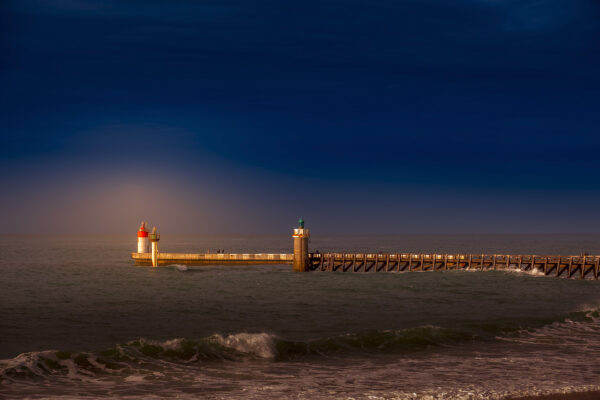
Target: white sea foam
[259,344]
[27,362]
[180,267]
[43,364]
[531,272]
[134,378]
[590,308]
[172,344]
[574,335]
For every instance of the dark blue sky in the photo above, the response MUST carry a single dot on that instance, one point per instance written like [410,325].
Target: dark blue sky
[361,116]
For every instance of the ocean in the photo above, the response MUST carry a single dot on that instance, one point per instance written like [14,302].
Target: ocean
[79,320]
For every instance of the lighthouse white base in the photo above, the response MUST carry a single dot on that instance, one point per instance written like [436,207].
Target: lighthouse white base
[143,245]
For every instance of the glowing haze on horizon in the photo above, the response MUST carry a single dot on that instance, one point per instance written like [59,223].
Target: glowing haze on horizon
[239,117]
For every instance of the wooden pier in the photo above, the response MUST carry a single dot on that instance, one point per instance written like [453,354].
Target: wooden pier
[583,267]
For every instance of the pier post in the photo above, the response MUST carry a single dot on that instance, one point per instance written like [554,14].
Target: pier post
[154,238]
[301,235]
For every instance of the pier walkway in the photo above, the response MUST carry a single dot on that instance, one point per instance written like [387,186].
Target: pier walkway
[212,258]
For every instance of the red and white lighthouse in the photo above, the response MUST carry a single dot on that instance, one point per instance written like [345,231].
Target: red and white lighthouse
[143,242]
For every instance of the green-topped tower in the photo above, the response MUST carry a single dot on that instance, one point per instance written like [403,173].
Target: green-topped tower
[301,235]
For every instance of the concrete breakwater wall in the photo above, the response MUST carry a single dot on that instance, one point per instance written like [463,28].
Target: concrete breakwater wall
[213,258]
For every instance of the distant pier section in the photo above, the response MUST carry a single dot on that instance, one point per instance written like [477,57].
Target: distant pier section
[566,266]
[573,266]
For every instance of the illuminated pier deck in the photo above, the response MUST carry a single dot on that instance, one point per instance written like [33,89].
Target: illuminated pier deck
[213,258]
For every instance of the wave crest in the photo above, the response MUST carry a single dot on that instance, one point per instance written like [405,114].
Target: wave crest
[145,354]
[259,344]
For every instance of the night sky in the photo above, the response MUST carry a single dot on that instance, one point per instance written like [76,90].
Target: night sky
[426,116]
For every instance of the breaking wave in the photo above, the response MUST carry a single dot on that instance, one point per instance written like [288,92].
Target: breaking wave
[145,354]
[141,353]
[128,357]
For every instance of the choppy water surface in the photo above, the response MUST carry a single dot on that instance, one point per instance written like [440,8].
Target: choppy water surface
[77,319]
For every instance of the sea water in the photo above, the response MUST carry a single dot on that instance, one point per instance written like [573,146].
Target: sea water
[78,319]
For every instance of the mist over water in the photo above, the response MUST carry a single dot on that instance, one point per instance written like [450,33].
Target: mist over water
[78,318]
